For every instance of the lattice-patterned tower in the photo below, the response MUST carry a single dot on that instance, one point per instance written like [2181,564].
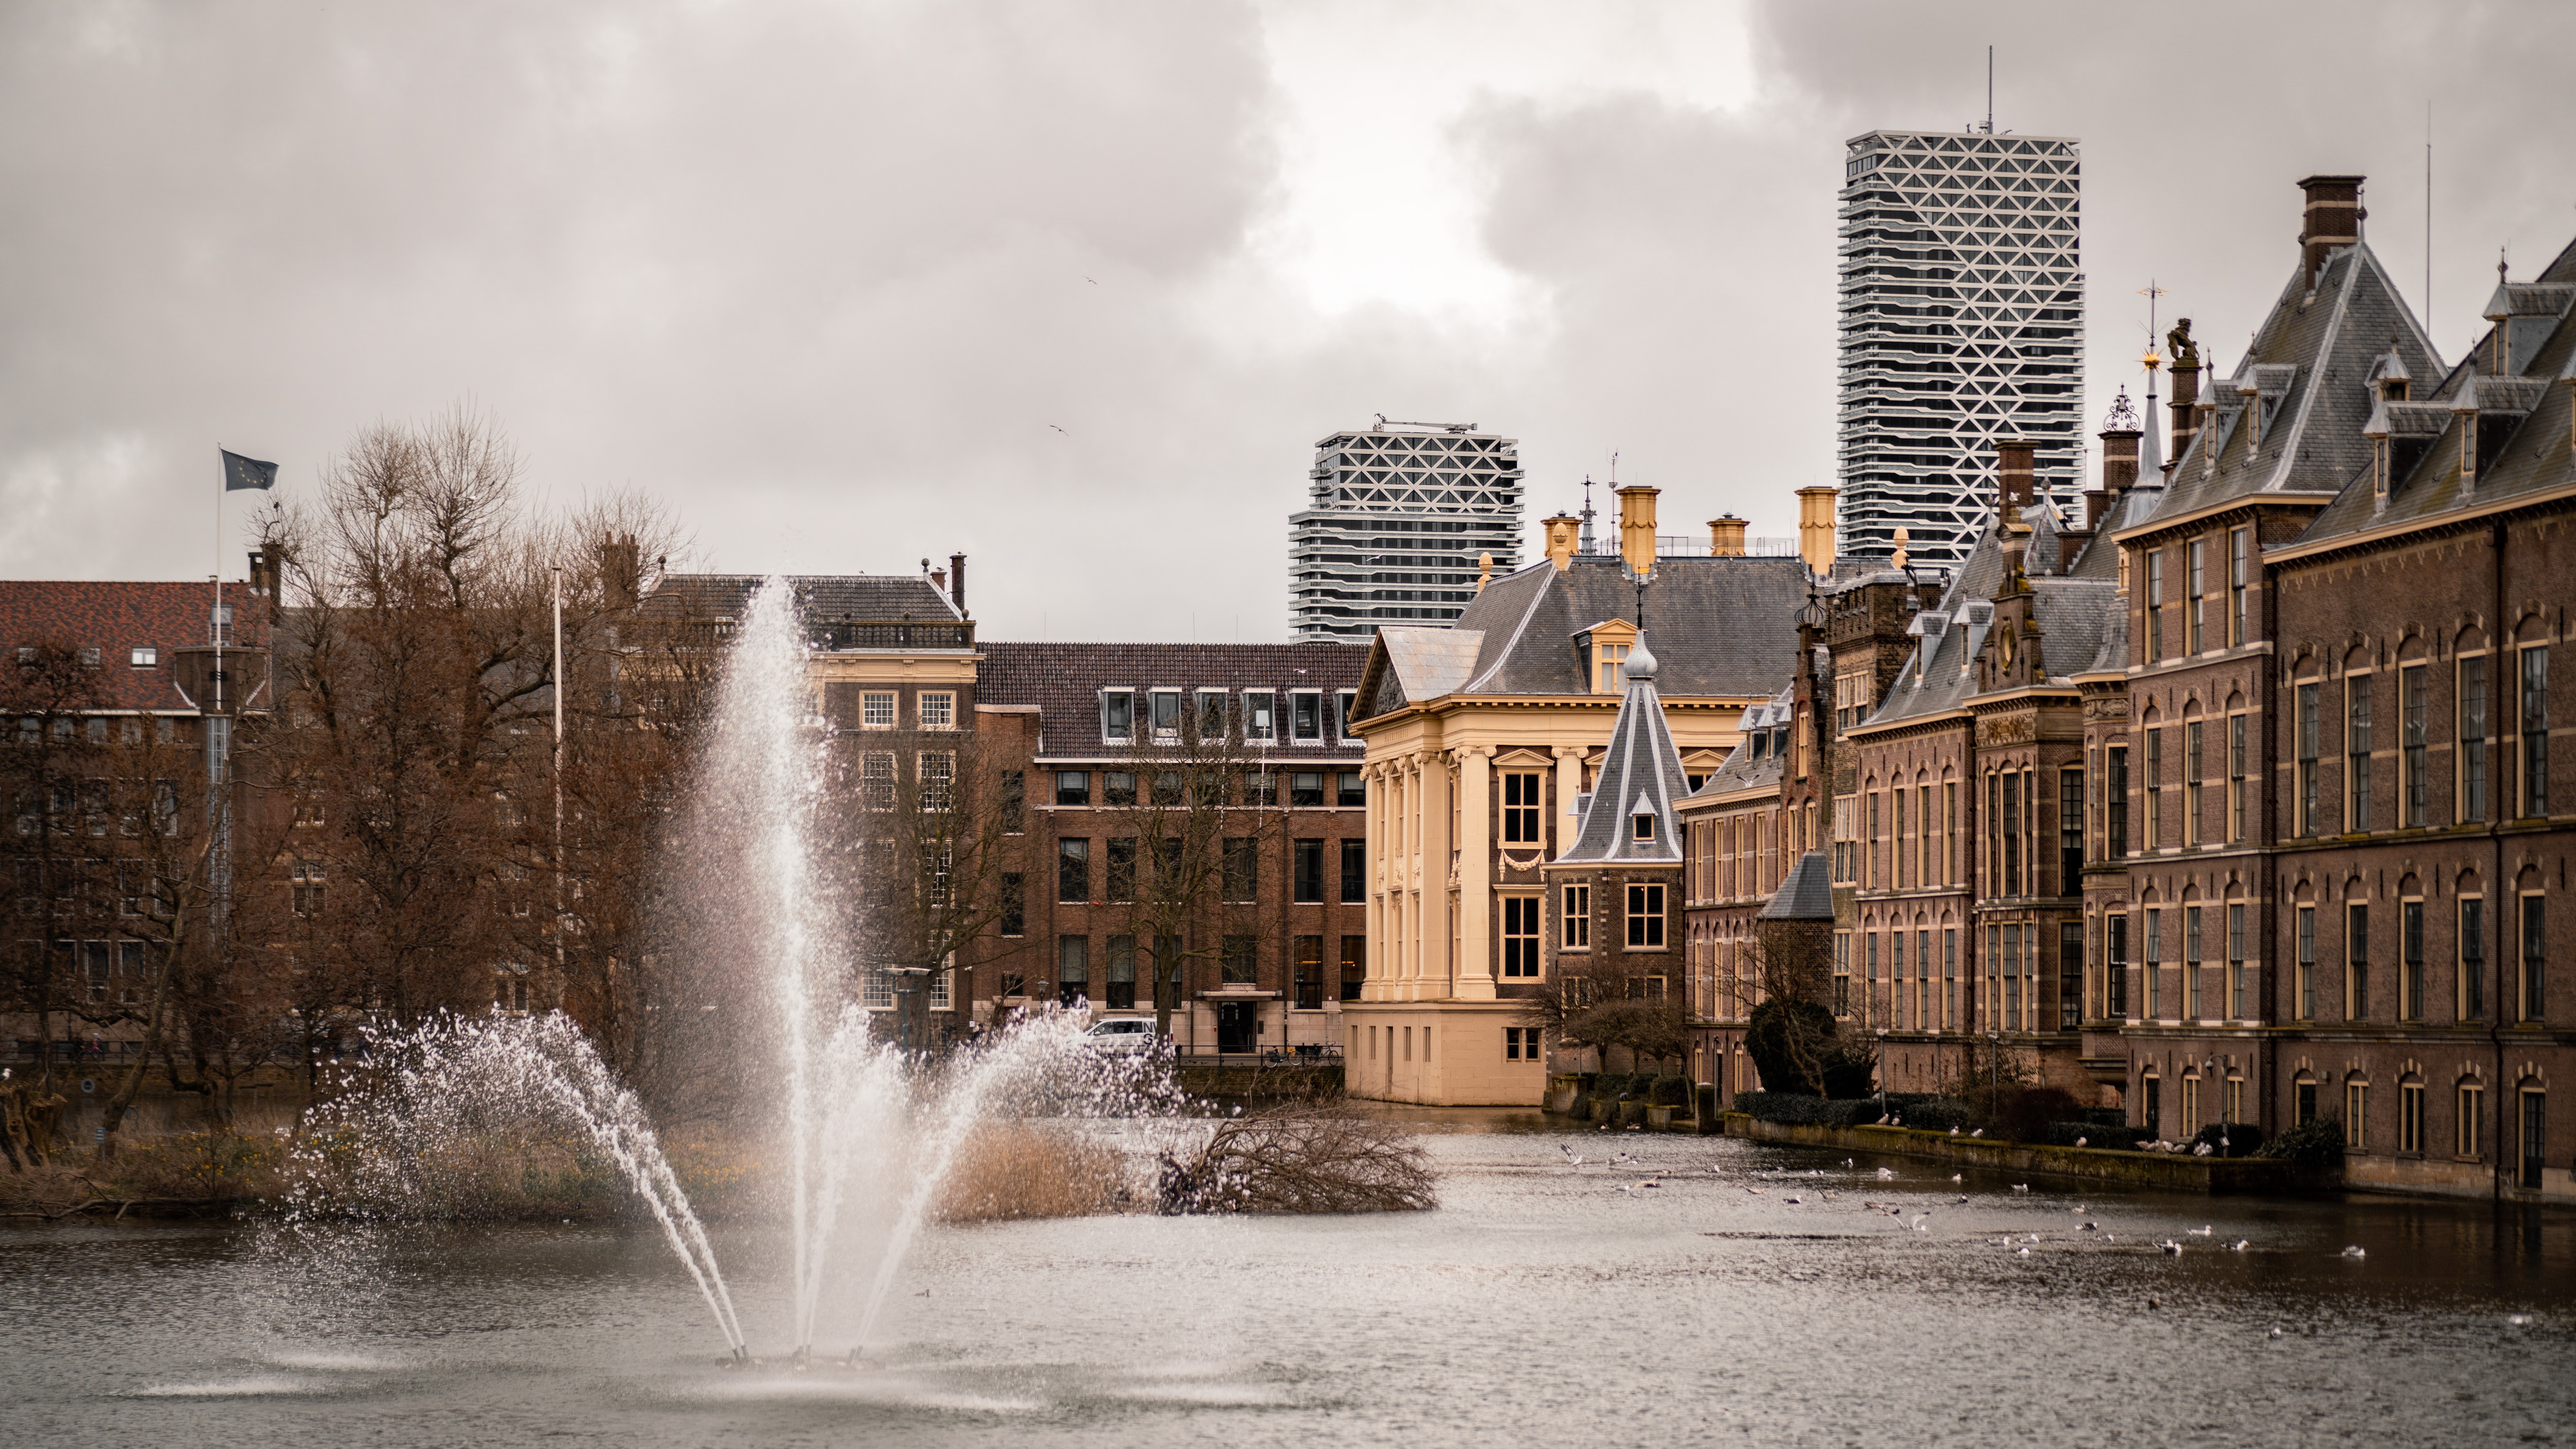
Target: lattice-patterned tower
[1962,319]
[1398,516]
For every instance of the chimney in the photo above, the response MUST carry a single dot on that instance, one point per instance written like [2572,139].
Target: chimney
[617,572]
[2013,469]
[2185,368]
[1561,539]
[263,579]
[2331,219]
[1816,529]
[1637,527]
[957,582]
[939,578]
[1726,537]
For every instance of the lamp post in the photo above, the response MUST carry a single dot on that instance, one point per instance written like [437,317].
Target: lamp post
[907,984]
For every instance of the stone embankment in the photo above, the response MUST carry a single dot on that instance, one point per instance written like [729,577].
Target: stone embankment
[2163,1171]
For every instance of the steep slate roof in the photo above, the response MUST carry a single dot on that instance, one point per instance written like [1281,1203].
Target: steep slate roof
[2534,459]
[1065,680]
[825,598]
[1724,626]
[1641,775]
[114,617]
[1741,769]
[2308,365]
[1807,894]
[1428,663]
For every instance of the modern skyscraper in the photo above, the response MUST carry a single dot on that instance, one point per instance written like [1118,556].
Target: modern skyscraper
[1398,516]
[1962,324]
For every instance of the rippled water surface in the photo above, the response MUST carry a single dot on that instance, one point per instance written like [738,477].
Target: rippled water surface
[1541,1304]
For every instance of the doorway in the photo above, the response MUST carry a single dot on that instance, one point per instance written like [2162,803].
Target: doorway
[1237,1025]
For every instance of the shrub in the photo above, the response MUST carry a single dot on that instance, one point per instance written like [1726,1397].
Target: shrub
[2318,1144]
[2022,1114]
[1798,1109]
[2231,1139]
[1773,1037]
[1929,1113]
[1669,1091]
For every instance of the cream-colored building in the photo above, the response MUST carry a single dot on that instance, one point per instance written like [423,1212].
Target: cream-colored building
[1482,740]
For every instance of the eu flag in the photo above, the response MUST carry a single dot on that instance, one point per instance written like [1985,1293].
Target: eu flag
[241,472]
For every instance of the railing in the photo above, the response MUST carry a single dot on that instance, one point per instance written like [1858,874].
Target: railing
[1308,1054]
[1686,545]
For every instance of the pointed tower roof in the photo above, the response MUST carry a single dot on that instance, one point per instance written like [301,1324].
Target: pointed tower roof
[1630,817]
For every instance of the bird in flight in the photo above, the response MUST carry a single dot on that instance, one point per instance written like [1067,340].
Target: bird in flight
[1060,430]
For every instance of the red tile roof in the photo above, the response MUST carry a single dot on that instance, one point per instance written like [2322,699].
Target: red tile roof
[116,617]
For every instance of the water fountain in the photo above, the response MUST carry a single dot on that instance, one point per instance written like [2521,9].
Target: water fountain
[864,1125]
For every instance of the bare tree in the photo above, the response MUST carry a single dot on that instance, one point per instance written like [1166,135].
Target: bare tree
[1206,811]
[1611,1001]
[52,775]
[1791,1032]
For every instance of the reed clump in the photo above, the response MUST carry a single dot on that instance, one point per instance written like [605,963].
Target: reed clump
[1019,1170]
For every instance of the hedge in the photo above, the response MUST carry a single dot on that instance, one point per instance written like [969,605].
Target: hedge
[2118,1137]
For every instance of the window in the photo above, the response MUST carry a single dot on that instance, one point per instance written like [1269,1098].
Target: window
[1073,870]
[2115,955]
[1308,975]
[89,656]
[1305,717]
[2306,1109]
[308,888]
[1521,804]
[2473,959]
[2410,1117]
[938,710]
[2115,801]
[1015,802]
[1349,789]
[2534,770]
[2534,1138]
[2534,973]
[1342,701]
[1308,856]
[1646,917]
[2473,739]
[2356,975]
[1014,907]
[2356,744]
[2155,605]
[2070,832]
[1520,938]
[876,709]
[2155,788]
[1606,659]
[1842,973]
[1306,789]
[1073,787]
[2193,598]
[2308,743]
[1072,968]
[1117,787]
[938,779]
[876,779]
[2151,978]
[2236,961]
[1164,713]
[1117,715]
[1121,874]
[2472,1109]
[876,989]
[1577,902]
[144,656]
[2410,940]
[1169,787]
[2236,778]
[1242,868]
[1260,715]
[1520,1044]
[1641,827]
[1354,872]
[2191,962]
[1354,966]
[1122,973]
[2240,549]
[2194,825]
[2413,704]
[1210,714]
[2070,975]
[1950,978]
[2356,1115]
[1240,961]
[2306,984]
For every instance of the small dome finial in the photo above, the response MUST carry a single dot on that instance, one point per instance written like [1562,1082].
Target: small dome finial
[1641,662]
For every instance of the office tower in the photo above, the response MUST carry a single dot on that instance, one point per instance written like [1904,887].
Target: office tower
[1398,517]
[1962,317]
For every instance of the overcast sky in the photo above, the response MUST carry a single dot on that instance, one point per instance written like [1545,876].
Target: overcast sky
[1074,288]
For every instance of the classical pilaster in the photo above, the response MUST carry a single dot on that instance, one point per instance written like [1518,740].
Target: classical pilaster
[1475,964]
[1432,978]
[1569,784]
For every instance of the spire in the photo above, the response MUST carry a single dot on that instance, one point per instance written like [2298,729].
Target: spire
[1629,815]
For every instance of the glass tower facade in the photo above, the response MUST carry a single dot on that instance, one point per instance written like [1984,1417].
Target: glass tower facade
[1396,519]
[1962,322]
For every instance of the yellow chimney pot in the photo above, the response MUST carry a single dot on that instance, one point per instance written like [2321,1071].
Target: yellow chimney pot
[1637,527]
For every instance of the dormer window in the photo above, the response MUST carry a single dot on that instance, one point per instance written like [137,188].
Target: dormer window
[1641,827]
[1167,715]
[1606,659]
[1117,715]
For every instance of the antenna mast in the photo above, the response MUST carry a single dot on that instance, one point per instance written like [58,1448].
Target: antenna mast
[1990,90]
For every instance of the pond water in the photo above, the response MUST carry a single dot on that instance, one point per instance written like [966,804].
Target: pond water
[1540,1304]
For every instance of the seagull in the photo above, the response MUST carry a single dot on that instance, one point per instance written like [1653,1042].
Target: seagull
[1980,1132]
[2354,1252]
[2172,1248]
[2201,1151]
[1917,1224]
[1623,1187]
[2081,1210]
[1716,1171]
[924,1293]
[2199,1232]
[1895,1121]
[2240,1245]
[1963,1197]
[1650,1182]
[1887,1174]
[1881,1122]
[1954,1131]
[2520,1320]
[1617,1158]
[2080,1141]
[2021,1187]
[2276,1333]
[1757,1192]
[1575,1159]
[2021,1252]
[1955,1177]
[1060,430]
[1793,1197]
[2092,1227]
[1847,1162]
